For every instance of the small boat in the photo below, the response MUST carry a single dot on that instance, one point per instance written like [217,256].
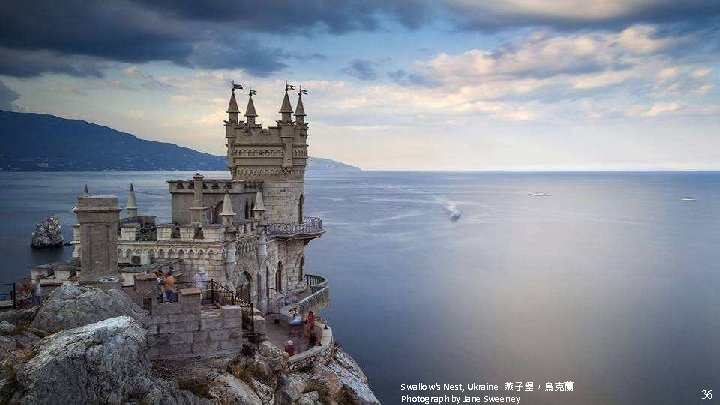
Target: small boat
[687,199]
[455,216]
[539,194]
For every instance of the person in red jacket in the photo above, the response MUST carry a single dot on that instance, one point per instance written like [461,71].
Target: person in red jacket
[289,348]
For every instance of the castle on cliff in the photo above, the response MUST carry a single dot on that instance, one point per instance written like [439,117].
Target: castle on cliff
[248,232]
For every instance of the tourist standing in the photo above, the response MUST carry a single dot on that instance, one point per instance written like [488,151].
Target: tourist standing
[289,348]
[160,282]
[310,321]
[37,292]
[201,278]
[169,286]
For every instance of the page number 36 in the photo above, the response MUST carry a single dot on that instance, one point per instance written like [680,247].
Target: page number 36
[707,394]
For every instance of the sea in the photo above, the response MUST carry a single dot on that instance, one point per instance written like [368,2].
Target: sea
[607,281]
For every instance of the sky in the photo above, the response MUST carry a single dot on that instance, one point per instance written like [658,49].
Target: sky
[392,84]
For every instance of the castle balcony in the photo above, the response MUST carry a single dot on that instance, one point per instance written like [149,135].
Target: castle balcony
[311,227]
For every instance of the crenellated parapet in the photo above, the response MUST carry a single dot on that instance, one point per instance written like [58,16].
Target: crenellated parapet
[273,153]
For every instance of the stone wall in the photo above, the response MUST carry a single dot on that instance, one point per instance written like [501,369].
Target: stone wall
[281,200]
[181,329]
[316,354]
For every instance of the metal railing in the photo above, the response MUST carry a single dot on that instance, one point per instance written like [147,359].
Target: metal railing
[320,294]
[11,295]
[308,226]
[216,293]
[213,292]
[316,283]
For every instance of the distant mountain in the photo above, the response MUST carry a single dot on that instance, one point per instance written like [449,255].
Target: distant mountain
[42,142]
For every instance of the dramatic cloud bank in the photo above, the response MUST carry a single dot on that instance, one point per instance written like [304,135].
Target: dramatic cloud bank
[519,83]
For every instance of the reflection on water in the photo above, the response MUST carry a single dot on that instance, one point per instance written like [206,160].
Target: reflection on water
[610,282]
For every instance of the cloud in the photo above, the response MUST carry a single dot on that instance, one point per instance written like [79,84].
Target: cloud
[494,15]
[664,108]
[405,78]
[360,69]
[7,98]
[77,37]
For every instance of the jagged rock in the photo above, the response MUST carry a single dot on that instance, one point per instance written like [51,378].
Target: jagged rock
[18,316]
[48,233]
[71,306]
[6,328]
[309,398]
[230,390]
[343,380]
[100,362]
[103,362]
[291,390]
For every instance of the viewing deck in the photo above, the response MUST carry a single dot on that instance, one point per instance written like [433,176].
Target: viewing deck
[311,227]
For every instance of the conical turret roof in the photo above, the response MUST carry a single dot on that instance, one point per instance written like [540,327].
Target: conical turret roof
[259,205]
[131,203]
[233,106]
[300,109]
[286,107]
[250,110]
[227,206]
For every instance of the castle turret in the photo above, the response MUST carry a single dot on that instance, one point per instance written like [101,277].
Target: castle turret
[250,113]
[98,217]
[259,208]
[286,109]
[227,213]
[131,203]
[233,110]
[197,209]
[300,109]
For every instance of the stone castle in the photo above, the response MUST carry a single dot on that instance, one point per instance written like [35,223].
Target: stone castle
[248,233]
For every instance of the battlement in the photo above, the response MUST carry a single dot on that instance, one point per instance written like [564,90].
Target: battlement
[275,153]
[215,186]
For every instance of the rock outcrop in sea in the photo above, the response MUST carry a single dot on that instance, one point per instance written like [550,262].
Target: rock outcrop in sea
[101,356]
[48,234]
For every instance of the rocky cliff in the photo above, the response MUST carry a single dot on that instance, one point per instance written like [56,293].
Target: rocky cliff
[106,361]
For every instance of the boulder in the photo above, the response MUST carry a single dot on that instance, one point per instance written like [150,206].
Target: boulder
[230,390]
[6,328]
[343,380]
[48,233]
[310,398]
[101,362]
[72,306]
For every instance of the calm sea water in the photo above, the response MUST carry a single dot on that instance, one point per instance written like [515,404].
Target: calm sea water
[611,282]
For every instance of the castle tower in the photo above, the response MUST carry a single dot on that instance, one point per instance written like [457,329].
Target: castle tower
[233,110]
[98,217]
[131,203]
[286,109]
[227,213]
[250,113]
[300,109]
[197,209]
[276,156]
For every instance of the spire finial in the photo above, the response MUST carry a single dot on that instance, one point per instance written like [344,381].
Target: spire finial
[250,110]
[300,108]
[286,109]
[131,203]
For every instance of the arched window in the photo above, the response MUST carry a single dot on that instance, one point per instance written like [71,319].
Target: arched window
[301,273]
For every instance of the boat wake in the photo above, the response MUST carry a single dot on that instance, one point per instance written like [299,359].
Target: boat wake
[452,208]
